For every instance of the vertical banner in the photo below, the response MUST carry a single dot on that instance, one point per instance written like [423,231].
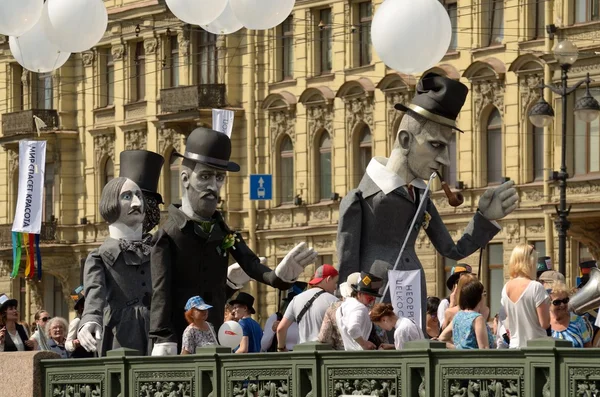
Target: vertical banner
[32,162]
[222,121]
[405,293]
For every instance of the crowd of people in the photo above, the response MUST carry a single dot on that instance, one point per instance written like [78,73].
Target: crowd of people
[534,304]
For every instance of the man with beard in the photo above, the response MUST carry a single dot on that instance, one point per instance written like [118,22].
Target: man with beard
[389,193]
[116,276]
[191,250]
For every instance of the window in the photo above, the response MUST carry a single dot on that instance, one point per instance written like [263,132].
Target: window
[365,15]
[587,10]
[207,58]
[539,16]
[287,49]
[450,172]
[139,92]
[174,62]
[286,170]
[44,94]
[109,171]
[494,147]
[61,308]
[495,262]
[453,13]
[325,42]
[325,167]
[22,299]
[174,184]
[365,151]
[584,253]
[495,22]
[540,247]
[324,260]
[538,152]
[18,100]
[49,193]
[108,78]
[587,142]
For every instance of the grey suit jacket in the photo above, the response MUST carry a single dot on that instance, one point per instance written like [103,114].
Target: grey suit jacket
[375,225]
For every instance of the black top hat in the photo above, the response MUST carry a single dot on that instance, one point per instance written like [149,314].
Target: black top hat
[368,284]
[143,167]
[297,289]
[438,99]
[211,148]
[588,264]
[78,297]
[244,299]
[5,302]
[544,264]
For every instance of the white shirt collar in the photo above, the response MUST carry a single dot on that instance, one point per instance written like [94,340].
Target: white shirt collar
[387,180]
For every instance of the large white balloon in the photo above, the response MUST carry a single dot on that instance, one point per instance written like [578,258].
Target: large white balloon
[261,14]
[34,51]
[197,12]
[411,36]
[226,23]
[18,16]
[230,334]
[76,26]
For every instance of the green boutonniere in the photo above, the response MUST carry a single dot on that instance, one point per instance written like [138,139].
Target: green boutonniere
[228,242]
[426,220]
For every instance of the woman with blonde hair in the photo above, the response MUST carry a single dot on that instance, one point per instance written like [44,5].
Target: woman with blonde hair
[565,324]
[525,300]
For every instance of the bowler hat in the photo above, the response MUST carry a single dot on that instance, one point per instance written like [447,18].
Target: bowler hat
[455,273]
[5,302]
[438,99]
[144,168]
[78,297]
[211,148]
[244,299]
[368,284]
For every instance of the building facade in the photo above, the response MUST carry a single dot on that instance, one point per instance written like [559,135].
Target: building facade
[313,104]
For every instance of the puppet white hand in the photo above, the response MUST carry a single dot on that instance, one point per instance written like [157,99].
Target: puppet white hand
[237,277]
[498,202]
[165,349]
[294,262]
[89,335]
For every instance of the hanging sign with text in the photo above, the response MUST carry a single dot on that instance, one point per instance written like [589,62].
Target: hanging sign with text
[405,293]
[32,162]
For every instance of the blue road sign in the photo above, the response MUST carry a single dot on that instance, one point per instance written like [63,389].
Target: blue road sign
[261,187]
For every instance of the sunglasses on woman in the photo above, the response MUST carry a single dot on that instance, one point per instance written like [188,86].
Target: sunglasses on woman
[557,302]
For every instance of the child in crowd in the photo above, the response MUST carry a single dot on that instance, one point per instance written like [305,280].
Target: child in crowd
[252,332]
[199,332]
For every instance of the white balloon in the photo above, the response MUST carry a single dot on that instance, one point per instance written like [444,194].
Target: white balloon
[230,334]
[411,36]
[226,23]
[261,14]
[76,26]
[197,12]
[18,16]
[34,51]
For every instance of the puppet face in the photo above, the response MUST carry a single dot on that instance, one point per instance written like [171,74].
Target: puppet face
[131,204]
[427,151]
[202,189]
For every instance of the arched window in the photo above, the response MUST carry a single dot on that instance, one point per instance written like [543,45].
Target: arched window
[109,171]
[286,170]
[537,151]
[174,183]
[494,147]
[325,167]
[365,152]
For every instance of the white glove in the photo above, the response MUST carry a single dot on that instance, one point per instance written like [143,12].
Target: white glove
[294,263]
[89,335]
[496,203]
[165,349]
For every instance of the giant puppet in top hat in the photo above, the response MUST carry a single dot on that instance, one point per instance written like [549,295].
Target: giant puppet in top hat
[209,147]
[143,167]
[438,99]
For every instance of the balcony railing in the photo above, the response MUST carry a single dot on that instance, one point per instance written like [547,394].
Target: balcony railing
[423,369]
[178,99]
[18,123]
[47,233]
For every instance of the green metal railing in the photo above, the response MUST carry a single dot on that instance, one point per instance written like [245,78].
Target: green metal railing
[545,368]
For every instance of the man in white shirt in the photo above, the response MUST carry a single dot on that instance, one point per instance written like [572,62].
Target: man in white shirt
[308,309]
[352,317]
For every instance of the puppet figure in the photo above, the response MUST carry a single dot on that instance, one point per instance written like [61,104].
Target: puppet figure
[116,277]
[192,248]
[375,217]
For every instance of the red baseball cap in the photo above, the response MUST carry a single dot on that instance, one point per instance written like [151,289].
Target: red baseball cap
[323,272]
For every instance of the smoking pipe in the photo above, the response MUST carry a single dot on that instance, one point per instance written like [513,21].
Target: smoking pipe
[454,199]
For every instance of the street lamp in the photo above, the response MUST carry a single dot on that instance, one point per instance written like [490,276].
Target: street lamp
[541,115]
